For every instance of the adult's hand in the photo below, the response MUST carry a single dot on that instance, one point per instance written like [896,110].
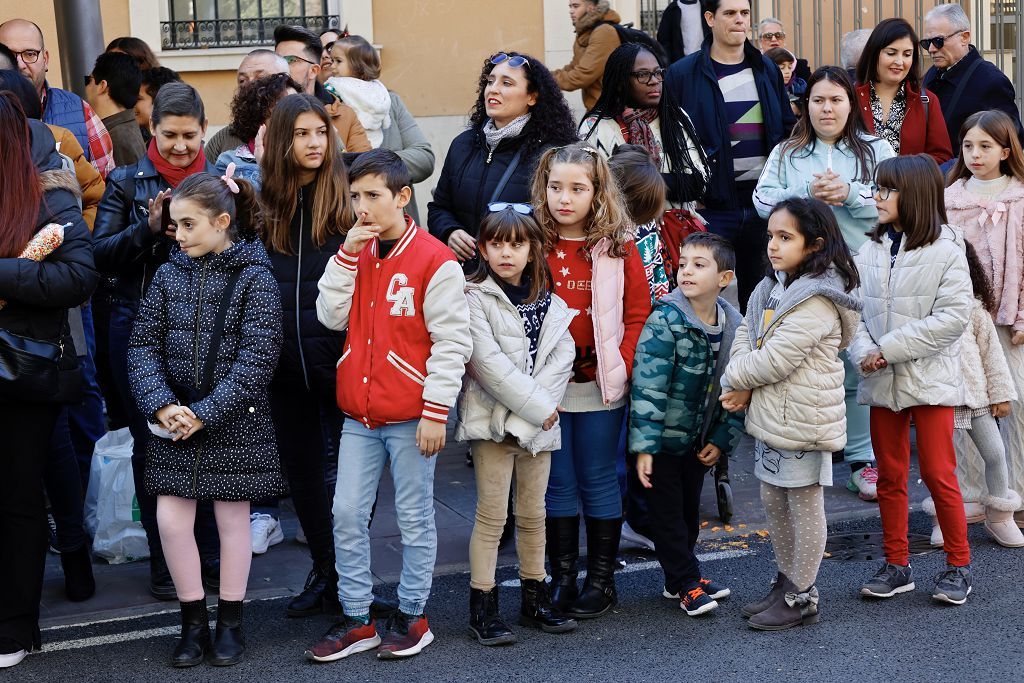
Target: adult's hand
[463,244]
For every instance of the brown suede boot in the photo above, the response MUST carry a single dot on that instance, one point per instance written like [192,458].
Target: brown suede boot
[796,608]
[777,589]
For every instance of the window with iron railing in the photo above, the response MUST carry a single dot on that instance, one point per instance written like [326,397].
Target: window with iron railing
[238,23]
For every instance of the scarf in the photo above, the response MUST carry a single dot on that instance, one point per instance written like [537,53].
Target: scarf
[371,101]
[495,135]
[638,130]
[172,174]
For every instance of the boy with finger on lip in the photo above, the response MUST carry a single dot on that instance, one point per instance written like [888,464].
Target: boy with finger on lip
[677,427]
[400,294]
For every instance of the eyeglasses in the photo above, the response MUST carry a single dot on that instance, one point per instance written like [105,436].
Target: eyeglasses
[883,192]
[291,59]
[524,209]
[27,56]
[645,77]
[778,35]
[514,62]
[937,41]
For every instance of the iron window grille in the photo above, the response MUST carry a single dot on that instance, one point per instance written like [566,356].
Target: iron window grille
[196,24]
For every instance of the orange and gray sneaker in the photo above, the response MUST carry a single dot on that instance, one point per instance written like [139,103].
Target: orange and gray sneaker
[696,602]
[406,635]
[346,637]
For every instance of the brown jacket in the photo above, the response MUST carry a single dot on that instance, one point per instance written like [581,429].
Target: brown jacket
[594,42]
[352,134]
[129,146]
[88,177]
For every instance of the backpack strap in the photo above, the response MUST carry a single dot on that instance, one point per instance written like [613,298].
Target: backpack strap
[206,379]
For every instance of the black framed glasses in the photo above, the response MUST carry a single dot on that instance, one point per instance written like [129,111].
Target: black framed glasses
[645,77]
[524,209]
[882,192]
[937,41]
[778,35]
[513,61]
[291,59]
[27,56]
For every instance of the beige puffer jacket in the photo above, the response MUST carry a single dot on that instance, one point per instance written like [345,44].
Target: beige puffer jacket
[915,313]
[504,392]
[795,372]
[987,378]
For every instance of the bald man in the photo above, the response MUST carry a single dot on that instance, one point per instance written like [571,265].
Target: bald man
[258,63]
[60,107]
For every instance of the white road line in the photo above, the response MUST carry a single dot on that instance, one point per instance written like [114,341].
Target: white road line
[642,566]
[111,639]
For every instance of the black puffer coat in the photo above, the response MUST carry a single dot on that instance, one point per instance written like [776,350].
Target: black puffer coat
[310,352]
[234,456]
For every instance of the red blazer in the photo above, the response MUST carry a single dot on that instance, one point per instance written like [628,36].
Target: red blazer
[915,136]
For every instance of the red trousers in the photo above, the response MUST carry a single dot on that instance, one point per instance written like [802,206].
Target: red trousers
[890,439]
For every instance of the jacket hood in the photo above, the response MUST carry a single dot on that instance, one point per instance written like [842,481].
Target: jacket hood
[240,255]
[676,298]
[60,180]
[959,197]
[603,12]
[829,285]
[44,146]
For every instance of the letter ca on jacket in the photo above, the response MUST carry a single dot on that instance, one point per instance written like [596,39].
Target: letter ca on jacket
[401,296]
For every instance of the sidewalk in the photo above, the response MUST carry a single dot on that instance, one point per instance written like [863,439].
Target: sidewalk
[123,589]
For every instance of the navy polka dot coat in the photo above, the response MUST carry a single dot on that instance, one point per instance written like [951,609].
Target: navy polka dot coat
[234,456]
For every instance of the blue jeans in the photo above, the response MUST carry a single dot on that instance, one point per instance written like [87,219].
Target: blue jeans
[361,459]
[858,418]
[584,468]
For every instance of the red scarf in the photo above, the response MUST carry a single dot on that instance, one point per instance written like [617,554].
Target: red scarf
[636,129]
[172,174]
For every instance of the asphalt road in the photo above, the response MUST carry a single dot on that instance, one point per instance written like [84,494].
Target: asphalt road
[647,638]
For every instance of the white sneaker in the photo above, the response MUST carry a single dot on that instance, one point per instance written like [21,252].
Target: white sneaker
[631,537]
[266,531]
[864,482]
[9,660]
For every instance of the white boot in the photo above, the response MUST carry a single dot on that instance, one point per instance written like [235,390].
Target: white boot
[974,511]
[999,521]
[928,505]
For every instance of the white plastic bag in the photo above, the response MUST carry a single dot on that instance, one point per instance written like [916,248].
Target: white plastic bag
[111,508]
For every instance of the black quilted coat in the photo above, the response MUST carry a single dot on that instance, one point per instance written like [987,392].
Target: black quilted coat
[234,457]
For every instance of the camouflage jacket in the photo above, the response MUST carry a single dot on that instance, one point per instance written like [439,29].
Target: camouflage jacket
[674,404]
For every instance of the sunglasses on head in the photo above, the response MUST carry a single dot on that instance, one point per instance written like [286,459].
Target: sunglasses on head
[937,41]
[524,209]
[514,62]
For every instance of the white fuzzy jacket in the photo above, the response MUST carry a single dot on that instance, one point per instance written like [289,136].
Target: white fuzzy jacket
[505,392]
[795,372]
[987,378]
[914,312]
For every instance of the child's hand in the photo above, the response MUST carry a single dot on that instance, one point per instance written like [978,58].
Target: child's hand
[550,422]
[736,400]
[167,416]
[873,361]
[644,467]
[709,455]
[196,425]
[1000,409]
[430,437]
[360,234]
[1017,339]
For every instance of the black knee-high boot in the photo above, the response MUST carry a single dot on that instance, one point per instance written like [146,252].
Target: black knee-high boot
[599,594]
[563,546]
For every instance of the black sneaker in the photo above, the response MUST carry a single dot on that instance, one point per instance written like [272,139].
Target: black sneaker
[54,547]
[161,586]
[953,585]
[889,580]
[696,602]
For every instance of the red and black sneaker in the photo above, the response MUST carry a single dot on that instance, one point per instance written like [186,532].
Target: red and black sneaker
[696,602]
[347,637]
[404,636]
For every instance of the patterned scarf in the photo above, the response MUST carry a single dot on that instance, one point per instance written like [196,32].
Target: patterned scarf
[494,135]
[638,130]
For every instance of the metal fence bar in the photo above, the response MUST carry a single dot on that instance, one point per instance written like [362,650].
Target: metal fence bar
[837,31]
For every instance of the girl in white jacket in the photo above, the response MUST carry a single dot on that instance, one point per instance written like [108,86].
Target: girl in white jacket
[917,300]
[355,78]
[508,411]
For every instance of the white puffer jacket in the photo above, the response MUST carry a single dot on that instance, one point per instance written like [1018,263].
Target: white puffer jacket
[505,392]
[915,312]
[795,371]
[987,378]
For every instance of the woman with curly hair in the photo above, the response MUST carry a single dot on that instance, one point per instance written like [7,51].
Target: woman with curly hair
[250,109]
[519,113]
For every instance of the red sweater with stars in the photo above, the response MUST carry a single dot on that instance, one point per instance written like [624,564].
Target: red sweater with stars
[573,274]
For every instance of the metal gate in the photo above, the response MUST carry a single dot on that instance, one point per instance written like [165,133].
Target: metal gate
[816,27]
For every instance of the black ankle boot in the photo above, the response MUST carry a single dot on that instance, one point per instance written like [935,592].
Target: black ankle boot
[599,594]
[318,596]
[228,645]
[195,634]
[79,583]
[537,610]
[563,542]
[161,586]
[485,619]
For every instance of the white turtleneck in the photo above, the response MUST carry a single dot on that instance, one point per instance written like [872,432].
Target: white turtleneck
[988,188]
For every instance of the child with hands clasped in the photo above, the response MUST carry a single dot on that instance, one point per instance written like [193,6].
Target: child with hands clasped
[598,271]
[917,300]
[522,357]
[677,429]
[985,195]
[786,371]
[204,348]
[400,294]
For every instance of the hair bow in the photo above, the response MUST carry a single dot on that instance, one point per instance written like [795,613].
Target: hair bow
[229,180]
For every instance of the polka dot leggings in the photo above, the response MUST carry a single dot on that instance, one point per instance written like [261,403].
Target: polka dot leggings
[796,522]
